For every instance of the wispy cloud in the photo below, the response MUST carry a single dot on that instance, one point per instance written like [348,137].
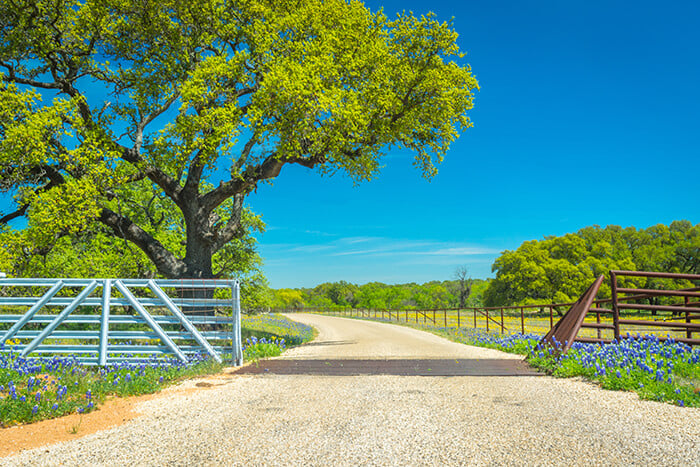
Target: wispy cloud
[380,247]
[311,248]
[461,251]
[319,233]
[358,252]
[354,240]
[315,259]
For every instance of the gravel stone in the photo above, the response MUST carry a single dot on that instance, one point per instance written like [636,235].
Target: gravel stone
[388,420]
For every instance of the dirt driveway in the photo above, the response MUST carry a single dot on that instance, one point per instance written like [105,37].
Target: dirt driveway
[381,419]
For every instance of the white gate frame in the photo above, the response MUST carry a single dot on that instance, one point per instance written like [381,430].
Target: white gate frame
[9,297]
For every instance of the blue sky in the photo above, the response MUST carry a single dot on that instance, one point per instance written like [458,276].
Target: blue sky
[588,114]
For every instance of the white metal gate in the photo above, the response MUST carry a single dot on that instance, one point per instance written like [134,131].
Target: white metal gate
[102,321]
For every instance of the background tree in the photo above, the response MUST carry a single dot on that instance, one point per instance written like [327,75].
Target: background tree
[203,101]
[430,295]
[464,284]
[559,269]
[376,295]
[372,295]
[288,298]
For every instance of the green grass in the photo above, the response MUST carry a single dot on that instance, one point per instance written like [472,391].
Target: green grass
[268,335]
[275,325]
[533,321]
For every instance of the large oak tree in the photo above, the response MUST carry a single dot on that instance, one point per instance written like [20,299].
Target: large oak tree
[203,101]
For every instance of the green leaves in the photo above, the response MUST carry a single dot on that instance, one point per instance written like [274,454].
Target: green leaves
[377,295]
[559,269]
[127,113]
[351,84]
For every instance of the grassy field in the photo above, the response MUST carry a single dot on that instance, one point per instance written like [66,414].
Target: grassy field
[511,322]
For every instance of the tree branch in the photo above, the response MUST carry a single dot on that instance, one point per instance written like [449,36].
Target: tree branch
[269,168]
[11,77]
[246,152]
[55,179]
[166,262]
[194,174]
[232,227]
[170,186]
[14,215]
[149,118]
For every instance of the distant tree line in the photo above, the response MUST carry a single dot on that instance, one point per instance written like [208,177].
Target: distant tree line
[559,269]
[376,295]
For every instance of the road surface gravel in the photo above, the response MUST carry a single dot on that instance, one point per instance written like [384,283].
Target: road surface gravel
[388,420]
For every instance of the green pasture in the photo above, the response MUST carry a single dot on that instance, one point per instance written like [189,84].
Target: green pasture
[511,321]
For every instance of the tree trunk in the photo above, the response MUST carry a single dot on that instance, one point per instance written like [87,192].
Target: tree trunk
[198,265]
[203,239]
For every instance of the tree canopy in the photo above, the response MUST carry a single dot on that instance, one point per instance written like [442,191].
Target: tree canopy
[559,269]
[102,101]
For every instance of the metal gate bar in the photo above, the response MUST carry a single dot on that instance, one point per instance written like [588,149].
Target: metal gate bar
[152,313]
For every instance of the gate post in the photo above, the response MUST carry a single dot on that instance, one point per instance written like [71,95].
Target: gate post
[237,351]
[104,321]
[615,308]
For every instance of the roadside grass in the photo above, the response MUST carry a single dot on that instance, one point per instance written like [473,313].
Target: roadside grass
[276,325]
[268,335]
[538,322]
[34,389]
[666,371]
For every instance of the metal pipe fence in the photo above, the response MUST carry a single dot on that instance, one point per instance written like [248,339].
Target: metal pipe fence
[605,320]
[103,321]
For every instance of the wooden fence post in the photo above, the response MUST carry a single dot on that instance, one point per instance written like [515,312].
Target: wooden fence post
[688,332]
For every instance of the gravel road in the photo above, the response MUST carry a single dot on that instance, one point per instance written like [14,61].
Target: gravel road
[388,420]
[352,338]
